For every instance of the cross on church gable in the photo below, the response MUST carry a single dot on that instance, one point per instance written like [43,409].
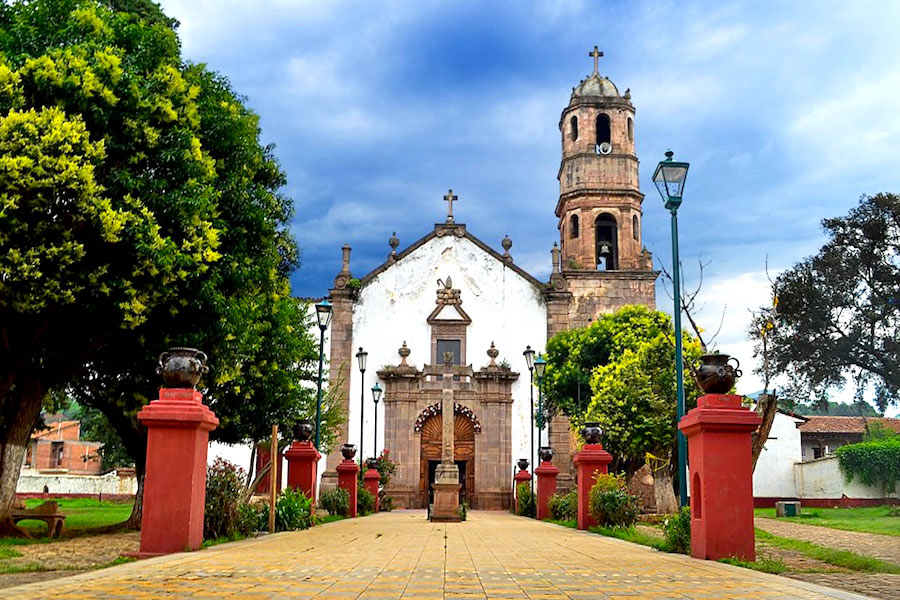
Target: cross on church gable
[450,198]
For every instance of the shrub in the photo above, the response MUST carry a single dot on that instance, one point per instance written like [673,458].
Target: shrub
[365,501]
[463,510]
[293,510]
[224,485]
[250,519]
[385,467]
[336,501]
[525,505]
[875,463]
[677,529]
[610,504]
[563,507]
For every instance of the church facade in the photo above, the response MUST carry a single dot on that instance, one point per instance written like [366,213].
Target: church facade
[450,292]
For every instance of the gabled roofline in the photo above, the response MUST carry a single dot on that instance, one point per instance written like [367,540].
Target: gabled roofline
[444,230]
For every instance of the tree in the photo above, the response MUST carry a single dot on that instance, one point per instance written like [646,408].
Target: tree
[625,362]
[839,310]
[139,212]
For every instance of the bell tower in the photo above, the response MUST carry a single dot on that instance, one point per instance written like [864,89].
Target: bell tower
[599,206]
[601,263]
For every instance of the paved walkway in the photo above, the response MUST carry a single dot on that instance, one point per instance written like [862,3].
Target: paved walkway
[401,555]
[884,547]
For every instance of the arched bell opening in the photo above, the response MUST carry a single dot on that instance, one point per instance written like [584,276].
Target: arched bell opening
[606,236]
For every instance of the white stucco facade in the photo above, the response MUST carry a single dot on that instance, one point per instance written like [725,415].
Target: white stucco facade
[774,474]
[505,308]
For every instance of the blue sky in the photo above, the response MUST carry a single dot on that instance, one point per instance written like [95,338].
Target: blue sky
[787,112]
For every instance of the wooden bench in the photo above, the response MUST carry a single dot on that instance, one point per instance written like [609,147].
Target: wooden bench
[48,512]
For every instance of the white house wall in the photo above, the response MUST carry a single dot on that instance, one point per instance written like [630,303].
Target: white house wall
[505,308]
[774,473]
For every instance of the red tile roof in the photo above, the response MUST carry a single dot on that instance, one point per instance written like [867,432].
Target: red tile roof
[825,424]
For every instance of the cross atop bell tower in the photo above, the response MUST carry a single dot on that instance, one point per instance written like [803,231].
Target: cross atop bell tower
[597,55]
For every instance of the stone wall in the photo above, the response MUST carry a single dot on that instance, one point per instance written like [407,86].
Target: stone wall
[822,479]
[111,485]
[598,292]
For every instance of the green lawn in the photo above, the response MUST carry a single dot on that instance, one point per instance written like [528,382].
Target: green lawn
[81,514]
[868,520]
[839,558]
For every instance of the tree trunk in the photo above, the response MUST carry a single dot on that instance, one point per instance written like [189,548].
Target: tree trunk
[134,519]
[22,406]
[767,408]
[664,492]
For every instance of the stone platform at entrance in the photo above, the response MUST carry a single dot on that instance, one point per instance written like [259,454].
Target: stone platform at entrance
[401,555]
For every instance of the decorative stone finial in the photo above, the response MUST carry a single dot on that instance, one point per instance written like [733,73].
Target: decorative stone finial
[507,244]
[627,95]
[393,242]
[342,278]
[404,353]
[493,353]
[554,253]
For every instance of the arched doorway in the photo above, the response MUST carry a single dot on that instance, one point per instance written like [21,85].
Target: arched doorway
[463,455]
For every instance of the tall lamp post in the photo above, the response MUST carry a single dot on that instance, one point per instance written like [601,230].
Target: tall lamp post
[539,365]
[529,360]
[323,316]
[669,179]
[361,356]
[376,396]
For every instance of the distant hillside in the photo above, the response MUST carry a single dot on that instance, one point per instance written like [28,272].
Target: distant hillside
[833,409]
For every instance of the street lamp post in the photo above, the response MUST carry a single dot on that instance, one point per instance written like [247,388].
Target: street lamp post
[376,396]
[539,365]
[361,356]
[669,179]
[323,317]
[529,360]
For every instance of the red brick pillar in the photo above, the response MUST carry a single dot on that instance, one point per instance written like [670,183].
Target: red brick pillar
[589,462]
[371,477]
[721,477]
[303,463]
[347,472]
[523,476]
[178,426]
[546,480]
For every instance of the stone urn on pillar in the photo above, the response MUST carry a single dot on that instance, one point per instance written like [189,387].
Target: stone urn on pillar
[303,460]
[718,433]
[590,461]
[371,478]
[348,471]
[522,476]
[546,480]
[178,426]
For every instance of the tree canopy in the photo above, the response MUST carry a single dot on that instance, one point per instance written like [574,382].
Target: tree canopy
[839,311]
[138,210]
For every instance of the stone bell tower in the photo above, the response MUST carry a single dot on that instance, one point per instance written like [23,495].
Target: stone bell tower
[602,259]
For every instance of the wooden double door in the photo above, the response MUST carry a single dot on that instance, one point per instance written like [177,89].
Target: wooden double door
[463,456]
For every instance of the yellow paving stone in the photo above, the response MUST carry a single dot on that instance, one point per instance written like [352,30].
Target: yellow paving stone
[401,555]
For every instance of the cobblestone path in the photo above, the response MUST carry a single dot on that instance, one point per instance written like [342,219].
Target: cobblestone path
[401,555]
[884,547]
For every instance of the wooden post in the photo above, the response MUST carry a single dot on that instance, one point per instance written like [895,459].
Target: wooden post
[273,474]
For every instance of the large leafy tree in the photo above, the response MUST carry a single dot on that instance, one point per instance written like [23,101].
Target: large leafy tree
[620,371]
[137,210]
[838,314]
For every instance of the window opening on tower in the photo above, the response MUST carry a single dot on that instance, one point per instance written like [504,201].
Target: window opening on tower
[630,129]
[573,226]
[606,241]
[634,227]
[603,133]
[573,127]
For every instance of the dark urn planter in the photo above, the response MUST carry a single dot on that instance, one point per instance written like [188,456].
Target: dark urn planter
[546,453]
[523,464]
[372,463]
[715,375]
[182,367]
[348,451]
[303,430]
[591,433]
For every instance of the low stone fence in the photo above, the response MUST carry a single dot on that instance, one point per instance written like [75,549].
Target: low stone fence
[59,485]
[821,482]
